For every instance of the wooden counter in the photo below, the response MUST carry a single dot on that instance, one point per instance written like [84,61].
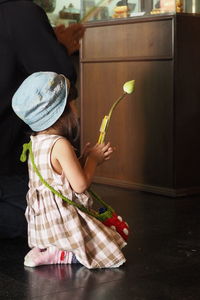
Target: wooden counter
[155,129]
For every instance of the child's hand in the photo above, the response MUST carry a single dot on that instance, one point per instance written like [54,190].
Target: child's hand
[86,150]
[101,152]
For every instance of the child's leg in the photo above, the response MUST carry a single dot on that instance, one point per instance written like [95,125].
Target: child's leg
[52,255]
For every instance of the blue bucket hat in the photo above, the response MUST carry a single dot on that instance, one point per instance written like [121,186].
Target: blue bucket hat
[41,99]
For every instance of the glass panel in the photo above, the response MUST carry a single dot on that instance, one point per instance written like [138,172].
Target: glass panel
[192,6]
[115,9]
[111,9]
[67,12]
[61,11]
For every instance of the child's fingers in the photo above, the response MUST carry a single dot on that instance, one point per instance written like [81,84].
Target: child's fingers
[87,145]
[108,154]
[104,150]
[105,147]
[107,158]
[110,150]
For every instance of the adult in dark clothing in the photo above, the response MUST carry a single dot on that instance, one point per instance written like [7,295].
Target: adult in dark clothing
[27,44]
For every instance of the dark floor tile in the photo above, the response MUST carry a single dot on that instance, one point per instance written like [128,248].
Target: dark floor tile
[11,289]
[163,257]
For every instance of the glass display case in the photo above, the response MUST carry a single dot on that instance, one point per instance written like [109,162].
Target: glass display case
[61,11]
[67,12]
[114,9]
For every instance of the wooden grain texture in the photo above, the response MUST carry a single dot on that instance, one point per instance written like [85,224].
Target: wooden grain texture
[187,101]
[143,153]
[150,39]
[155,129]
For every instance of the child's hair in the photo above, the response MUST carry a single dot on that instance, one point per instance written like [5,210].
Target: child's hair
[67,125]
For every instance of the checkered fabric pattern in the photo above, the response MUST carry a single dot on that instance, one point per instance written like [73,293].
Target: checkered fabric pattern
[53,222]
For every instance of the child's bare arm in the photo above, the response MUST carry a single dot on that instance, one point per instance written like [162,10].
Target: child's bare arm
[63,159]
[84,154]
[97,155]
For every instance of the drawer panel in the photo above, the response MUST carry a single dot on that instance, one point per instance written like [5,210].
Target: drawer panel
[128,41]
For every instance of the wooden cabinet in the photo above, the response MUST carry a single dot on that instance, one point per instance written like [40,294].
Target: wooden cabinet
[155,129]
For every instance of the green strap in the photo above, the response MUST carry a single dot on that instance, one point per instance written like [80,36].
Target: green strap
[95,196]
[26,148]
[103,216]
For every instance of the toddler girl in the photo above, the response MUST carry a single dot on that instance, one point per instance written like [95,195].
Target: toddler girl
[57,231]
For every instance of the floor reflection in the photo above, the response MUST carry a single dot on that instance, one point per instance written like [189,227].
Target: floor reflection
[55,279]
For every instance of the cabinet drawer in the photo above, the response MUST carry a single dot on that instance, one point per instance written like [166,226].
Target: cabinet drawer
[142,40]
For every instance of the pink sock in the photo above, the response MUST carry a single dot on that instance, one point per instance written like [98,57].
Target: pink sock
[52,255]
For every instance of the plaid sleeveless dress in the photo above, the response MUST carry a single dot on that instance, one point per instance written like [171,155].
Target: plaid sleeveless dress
[53,222]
